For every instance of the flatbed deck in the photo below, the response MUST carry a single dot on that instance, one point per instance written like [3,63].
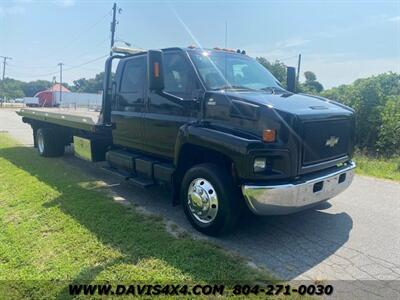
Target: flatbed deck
[75,118]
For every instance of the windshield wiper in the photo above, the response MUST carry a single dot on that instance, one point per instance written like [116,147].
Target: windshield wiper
[273,89]
[226,87]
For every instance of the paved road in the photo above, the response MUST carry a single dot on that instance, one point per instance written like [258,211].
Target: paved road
[355,236]
[11,122]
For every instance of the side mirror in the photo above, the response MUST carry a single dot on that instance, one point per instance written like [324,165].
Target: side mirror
[291,79]
[155,70]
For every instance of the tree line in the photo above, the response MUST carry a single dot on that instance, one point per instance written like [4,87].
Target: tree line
[11,88]
[376,101]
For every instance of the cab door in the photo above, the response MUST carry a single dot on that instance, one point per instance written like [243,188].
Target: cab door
[129,104]
[170,109]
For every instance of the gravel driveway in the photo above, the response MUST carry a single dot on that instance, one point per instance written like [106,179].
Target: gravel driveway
[354,236]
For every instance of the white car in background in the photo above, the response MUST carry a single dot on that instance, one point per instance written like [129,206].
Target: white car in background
[31,101]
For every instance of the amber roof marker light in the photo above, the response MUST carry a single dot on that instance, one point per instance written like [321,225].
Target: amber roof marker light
[269,135]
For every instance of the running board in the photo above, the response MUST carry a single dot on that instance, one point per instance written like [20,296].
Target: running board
[141,181]
[136,180]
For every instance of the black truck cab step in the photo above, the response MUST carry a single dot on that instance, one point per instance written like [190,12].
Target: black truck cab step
[141,181]
[133,178]
[142,169]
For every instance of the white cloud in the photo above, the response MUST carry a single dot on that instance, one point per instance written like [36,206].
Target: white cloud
[65,3]
[341,68]
[290,43]
[280,51]
[370,21]
[332,69]
[275,54]
[394,19]
[12,10]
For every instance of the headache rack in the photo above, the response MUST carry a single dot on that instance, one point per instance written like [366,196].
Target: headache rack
[127,50]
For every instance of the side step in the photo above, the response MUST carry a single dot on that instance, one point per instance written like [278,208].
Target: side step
[142,181]
[137,180]
[121,160]
[141,170]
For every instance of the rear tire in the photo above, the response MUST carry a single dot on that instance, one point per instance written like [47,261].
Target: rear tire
[34,138]
[48,144]
[210,199]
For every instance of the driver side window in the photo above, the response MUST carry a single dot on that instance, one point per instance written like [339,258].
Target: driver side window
[178,75]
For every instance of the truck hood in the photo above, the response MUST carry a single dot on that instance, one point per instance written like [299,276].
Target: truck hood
[302,105]
[303,124]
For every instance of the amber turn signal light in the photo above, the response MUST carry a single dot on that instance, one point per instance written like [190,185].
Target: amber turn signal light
[269,135]
[156,70]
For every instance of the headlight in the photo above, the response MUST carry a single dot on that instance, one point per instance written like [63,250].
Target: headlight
[260,163]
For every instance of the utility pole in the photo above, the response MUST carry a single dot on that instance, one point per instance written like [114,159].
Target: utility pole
[4,74]
[113,25]
[298,70]
[4,65]
[60,64]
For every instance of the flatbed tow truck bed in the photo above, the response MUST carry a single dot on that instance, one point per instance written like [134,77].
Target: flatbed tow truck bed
[74,118]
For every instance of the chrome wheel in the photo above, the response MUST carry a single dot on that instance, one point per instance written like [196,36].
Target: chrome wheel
[40,142]
[202,200]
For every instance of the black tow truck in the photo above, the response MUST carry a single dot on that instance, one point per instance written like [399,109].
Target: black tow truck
[216,126]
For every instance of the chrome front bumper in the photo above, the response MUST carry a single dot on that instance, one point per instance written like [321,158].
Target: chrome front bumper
[284,199]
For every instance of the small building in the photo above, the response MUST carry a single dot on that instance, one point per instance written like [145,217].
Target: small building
[74,100]
[47,98]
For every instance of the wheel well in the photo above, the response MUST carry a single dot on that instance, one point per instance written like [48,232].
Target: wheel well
[191,155]
[63,133]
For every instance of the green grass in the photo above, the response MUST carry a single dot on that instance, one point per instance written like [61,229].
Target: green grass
[53,227]
[378,167]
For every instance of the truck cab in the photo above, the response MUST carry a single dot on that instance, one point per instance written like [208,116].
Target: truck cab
[221,129]
[218,108]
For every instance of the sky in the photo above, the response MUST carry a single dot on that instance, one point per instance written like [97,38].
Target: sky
[339,41]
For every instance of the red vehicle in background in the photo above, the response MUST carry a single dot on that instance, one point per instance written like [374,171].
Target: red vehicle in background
[47,98]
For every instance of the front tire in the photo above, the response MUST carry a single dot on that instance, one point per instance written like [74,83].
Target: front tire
[210,199]
[48,144]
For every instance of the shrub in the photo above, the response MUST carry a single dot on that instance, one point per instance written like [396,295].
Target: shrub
[376,102]
[389,131]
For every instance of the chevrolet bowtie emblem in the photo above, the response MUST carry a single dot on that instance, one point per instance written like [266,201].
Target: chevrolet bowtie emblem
[332,141]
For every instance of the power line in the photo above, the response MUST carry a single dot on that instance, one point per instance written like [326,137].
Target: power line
[86,63]
[77,37]
[20,66]
[90,51]
[72,42]
[66,69]
[37,75]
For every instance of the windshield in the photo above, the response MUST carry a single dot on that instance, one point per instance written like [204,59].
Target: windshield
[223,70]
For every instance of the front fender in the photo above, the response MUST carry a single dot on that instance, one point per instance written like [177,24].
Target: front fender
[239,149]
